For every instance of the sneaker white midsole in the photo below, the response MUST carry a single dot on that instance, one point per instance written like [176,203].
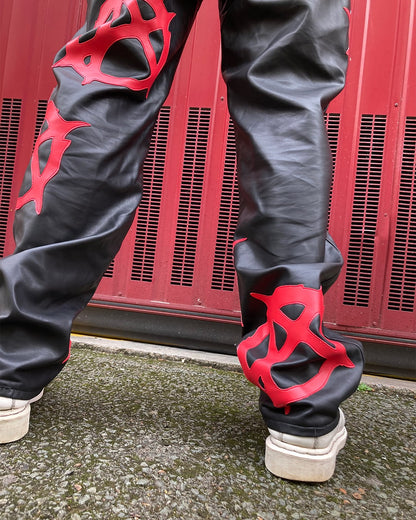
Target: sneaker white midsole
[287,459]
[336,444]
[14,424]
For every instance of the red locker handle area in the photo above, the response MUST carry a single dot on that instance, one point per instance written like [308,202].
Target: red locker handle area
[175,268]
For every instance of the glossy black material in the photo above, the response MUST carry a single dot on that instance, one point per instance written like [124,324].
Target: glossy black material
[283,61]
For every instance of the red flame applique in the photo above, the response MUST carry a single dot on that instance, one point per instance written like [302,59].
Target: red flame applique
[57,131]
[296,331]
[86,57]
[69,353]
[239,241]
[349,13]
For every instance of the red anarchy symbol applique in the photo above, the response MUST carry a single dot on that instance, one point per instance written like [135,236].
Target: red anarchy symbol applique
[56,132]
[86,57]
[296,330]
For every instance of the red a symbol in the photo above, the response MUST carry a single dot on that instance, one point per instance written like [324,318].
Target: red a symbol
[296,331]
[86,57]
[56,132]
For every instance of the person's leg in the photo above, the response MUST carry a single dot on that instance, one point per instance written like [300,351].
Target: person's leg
[83,185]
[283,62]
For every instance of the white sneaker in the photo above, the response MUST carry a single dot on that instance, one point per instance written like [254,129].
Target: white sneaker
[14,418]
[308,459]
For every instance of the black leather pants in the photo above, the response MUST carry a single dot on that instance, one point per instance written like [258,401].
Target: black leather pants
[283,61]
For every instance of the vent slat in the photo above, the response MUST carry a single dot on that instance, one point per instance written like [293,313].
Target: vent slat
[40,118]
[402,290]
[149,210]
[223,274]
[9,130]
[192,183]
[365,210]
[332,123]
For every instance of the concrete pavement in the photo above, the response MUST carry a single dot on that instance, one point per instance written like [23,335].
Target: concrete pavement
[132,431]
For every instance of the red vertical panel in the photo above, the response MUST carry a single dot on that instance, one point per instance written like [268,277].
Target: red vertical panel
[365,173]
[5,25]
[398,305]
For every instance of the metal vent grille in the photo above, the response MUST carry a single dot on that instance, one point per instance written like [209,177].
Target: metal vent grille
[149,209]
[365,210]
[223,274]
[40,117]
[332,122]
[190,196]
[110,271]
[403,276]
[9,129]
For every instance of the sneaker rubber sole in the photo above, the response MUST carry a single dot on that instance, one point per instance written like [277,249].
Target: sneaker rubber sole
[303,464]
[15,423]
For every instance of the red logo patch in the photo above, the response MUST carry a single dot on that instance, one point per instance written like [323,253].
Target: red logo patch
[56,132]
[86,57]
[297,331]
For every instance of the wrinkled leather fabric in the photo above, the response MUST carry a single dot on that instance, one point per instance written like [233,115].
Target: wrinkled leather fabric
[283,61]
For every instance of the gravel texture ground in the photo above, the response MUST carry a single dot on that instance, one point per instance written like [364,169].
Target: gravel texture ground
[118,436]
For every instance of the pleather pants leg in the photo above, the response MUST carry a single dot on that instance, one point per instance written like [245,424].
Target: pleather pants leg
[83,185]
[283,62]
